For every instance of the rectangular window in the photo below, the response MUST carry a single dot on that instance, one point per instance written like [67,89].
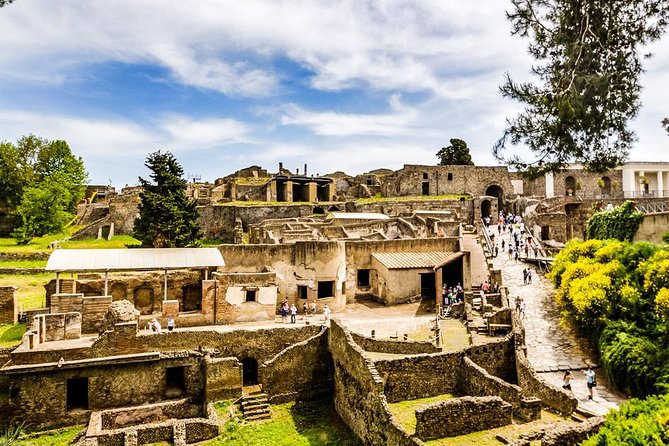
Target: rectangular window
[326,289]
[174,381]
[302,292]
[363,277]
[251,295]
[449,177]
[77,393]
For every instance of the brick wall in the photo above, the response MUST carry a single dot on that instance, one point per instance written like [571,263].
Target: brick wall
[8,305]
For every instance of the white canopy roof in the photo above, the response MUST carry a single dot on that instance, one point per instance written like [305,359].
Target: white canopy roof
[133,259]
[356,216]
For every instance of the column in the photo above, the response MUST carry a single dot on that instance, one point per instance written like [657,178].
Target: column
[660,184]
[550,186]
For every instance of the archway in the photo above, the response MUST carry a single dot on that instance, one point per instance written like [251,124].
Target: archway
[485,208]
[496,191]
[569,186]
[249,371]
[605,184]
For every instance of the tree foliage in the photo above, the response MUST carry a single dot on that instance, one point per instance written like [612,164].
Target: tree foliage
[457,153]
[618,292]
[637,422]
[41,182]
[167,217]
[620,223]
[589,55]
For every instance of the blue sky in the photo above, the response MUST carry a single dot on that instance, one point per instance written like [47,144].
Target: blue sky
[350,85]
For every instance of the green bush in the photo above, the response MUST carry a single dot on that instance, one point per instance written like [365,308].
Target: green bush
[638,422]
[620,223]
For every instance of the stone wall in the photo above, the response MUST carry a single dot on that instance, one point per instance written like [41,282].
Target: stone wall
[8,305]
[652,227]
[41,391]
[358,393]
[460,416]
[230,302]
[301,371]
[223,379]
[572,434]
[397,347]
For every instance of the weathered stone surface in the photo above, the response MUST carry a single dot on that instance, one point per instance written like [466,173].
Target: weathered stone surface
[8,305]
[120,311]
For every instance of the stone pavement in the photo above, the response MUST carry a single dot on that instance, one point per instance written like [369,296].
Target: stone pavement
[552,347]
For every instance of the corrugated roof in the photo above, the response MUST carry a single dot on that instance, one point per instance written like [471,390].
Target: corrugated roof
[411,260]
[356,216]
[133,259]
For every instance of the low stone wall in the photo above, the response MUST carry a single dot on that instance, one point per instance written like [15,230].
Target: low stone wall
[223,379]
[301,371]
[396,347]
[12,256]
[25,271]
[553,397]
[477,382]
[461,416]
[572,434]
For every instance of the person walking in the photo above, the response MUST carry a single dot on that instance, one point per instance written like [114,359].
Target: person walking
[305,311]
[524,276]
[566,380]
[522,309]
[529,276]
[313,308]
[170,324]
[591,381]
[284,311]
[326,313]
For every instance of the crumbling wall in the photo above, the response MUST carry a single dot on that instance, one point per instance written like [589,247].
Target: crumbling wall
[391,346]
[358,393]
[460,416]
[301,371]
[8,305]
[223,379]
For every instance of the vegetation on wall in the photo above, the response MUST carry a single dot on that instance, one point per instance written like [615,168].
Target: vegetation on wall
[167,217]
[620,223]
[618,292]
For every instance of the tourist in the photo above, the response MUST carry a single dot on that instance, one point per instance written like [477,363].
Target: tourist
[522,309]
[170,324]
[524,276]
[529,276]
[305,311]
[284,311]
[444,295]
[496,250]
[313,307]
[591,380]
[326,312]
[293,313]
[502,245]
[154,325]
[518,299]
[566,379]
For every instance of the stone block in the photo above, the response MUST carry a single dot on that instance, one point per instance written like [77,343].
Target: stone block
[125,330]
[530,409]
[54,327]
[170,308]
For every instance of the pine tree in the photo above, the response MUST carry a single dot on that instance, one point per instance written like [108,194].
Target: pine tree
[456,154]
[167,217]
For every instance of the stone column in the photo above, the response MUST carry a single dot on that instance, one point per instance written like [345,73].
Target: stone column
[629,183]
[313,192]
[660,184]
[8,305]
[550,186]
[289,191]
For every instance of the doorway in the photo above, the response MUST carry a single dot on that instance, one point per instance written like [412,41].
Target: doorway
[249,372]
[427,286]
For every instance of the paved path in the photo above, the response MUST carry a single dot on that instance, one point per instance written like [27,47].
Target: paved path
[552,347]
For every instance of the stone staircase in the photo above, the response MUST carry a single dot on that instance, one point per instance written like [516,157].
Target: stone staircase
[255,405]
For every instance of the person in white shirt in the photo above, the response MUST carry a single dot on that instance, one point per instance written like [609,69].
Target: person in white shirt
[326,312]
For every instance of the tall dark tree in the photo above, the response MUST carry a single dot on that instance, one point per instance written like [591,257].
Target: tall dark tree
[167,217]
[589,54]
[455,154]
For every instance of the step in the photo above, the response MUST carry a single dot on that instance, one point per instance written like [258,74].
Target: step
[263,416]
[259,398]
[247,407]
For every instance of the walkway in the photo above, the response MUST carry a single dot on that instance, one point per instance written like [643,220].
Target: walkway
[552,347]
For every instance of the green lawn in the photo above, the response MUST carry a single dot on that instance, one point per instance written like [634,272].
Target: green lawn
[296,424]
[30,291]
[117,242]
[55,437]
[405,411]
[11,334]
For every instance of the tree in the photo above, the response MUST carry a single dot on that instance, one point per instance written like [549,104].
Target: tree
[167,217]
[455,154]
[588,86]
[45,181]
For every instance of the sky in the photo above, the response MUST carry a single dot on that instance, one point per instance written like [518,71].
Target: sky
[341,86]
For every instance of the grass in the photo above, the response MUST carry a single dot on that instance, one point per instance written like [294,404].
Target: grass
[11,334]
[30,291]
[313,423]
[404,412]
[54,437]
[23,264]
[487,437]
[35,245]
[377,198]
[454,335]
[117,242]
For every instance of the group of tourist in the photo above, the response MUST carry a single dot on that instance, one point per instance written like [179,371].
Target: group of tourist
[155,326]
[518,238]
[590,381]
[308,309]
[452,295]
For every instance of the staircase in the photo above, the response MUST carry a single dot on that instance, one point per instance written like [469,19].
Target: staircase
[255,405]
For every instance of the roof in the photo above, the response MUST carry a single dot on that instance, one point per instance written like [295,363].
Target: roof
[133,259]
[356,216]
[413,260]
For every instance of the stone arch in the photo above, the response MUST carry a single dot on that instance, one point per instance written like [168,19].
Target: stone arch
[249,371]
[569,186]
[334,209]
[495,190]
